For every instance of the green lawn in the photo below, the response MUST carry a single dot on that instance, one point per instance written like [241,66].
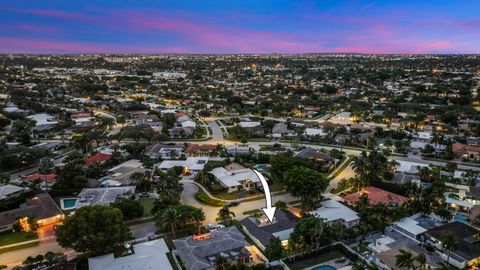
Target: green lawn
[15,237]
[202,197]
[3,250]
[302,264]
[147,204]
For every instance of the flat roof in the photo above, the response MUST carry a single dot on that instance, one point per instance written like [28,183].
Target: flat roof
[332,210]
[146,256]
[202,254]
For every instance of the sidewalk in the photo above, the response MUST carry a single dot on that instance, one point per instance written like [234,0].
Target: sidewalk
[29,242]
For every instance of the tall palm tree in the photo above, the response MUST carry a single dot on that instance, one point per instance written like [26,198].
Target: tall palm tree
[199,217]
[360,166]
[317,234]
[405,259]
[170,218]
[449,244]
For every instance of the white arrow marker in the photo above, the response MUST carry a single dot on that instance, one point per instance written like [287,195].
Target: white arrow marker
[268,210]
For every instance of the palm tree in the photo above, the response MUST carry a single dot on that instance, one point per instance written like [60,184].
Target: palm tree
[422,260]
[225,215]
[317,233]
[405,259]
[360,166]
[170,218]
[199,217]
[425,174]
[449,244]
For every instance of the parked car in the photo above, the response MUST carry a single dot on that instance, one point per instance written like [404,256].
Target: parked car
[261,189]
[220,226]
[211,227]
[232,204]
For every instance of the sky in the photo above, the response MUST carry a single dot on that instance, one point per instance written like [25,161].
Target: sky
[247,26]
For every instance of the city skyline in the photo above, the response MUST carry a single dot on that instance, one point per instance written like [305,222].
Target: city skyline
[377,27]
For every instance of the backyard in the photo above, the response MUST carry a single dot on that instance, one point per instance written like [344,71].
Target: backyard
[305,263]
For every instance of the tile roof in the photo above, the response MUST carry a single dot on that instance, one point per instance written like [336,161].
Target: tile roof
[377,196]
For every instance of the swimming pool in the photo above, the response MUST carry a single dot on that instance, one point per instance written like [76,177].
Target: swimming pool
[461,218]
[68,203]
[324,267]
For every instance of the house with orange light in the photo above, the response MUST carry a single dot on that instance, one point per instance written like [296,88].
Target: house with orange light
[41,208]
[376,196]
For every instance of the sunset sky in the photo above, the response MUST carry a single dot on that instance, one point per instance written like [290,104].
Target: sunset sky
[229,26]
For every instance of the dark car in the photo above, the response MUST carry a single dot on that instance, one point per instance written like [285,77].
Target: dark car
[231,204]
[261,189]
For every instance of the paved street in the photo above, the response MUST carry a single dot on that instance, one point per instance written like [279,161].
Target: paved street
[188,197]
[217,136]
[143,230]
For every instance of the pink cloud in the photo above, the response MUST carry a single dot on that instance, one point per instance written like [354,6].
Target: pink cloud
[21,45]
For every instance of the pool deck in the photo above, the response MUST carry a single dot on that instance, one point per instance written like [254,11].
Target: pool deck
[343,266]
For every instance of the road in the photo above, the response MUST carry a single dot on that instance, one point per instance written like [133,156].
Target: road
[217,134]
[16,175]
[188,197]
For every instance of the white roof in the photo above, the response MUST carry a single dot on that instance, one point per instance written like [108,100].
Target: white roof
[425,135]
[245,124]
[146,256]
[193,163]
[314,131]
[189,123]
[410,167]
[332,210]
[42,119]
[6,190]
[132,163]
[235,177]
[410,225]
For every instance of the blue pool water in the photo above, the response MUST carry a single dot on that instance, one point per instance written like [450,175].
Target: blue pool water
[69,203]
[324,267]
[461,218]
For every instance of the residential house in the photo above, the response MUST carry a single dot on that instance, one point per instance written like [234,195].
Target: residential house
[376,196]
[234,150]
[261,230]
[163,151]
[315,155]
[332,211]
[281,130]
[190,165]
[121,173]
[467,250]
[467,152]
[235,179]
[143,256]
[41,208]
[8,191]
[200,252]
[201,150]
[97,159]
[43,121]
[103,196]
[45,180]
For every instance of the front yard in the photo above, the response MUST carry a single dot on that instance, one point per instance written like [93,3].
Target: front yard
[147,204]
[16,237]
